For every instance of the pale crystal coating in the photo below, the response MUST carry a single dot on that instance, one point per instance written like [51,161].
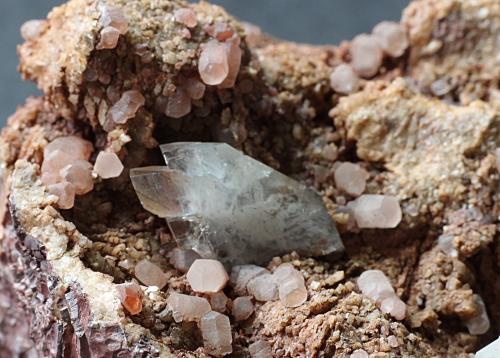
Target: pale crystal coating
[126,107]
[224,204]
[394,306]
[31,29]
[492,350]
[234,61]
[344,80]
[263,288]
[359,353]
[186,16]
[194,88]
[73,146]
[445,244]
[109,38]
[187,308]
[130,295]
[219,301]
[376,211]
[242,274]
[291,286]
[207,276]
[150,274]
[108,165]
[366,55]
[242,308]
[260,349]
[213,64]
[392,38]
[79,173]
[178,104]
[65,193]
[113,16]
[479,324]
[182,259]
[350,178]
[216,332]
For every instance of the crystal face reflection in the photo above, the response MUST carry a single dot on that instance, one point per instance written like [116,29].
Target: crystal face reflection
[226,205]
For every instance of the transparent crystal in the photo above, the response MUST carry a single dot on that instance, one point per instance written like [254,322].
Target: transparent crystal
[207,276]
[224,204]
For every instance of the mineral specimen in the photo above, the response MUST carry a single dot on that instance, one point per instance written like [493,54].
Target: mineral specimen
[108,165]
[131,297]
[183,259]
[219,301]
[241,275]
[344,80]
[366,55]
[224,204]
[479,324]
[216,331]
[150,274]
[242,308]
[263,287]
[187,308]
[359,353]
[376,211]
[350,178]
[260,349]
[392,38]
[207,276]
[291,286]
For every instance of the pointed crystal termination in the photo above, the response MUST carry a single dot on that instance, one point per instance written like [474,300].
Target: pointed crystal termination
[223,204]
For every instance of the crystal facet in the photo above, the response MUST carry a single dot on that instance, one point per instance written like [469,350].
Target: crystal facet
[376,211]
[242,308]
[216,331]
[150,274]
[187,308]
[207,276]
[224,204]
[108,165]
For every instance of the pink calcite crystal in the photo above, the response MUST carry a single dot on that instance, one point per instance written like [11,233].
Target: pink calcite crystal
[108,165]
[207,276]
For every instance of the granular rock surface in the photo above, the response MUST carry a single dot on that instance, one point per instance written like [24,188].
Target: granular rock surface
[419,122]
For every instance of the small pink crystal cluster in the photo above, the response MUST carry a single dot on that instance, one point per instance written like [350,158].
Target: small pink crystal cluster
[375,285]
[367,54]
[67,172]
[114,24]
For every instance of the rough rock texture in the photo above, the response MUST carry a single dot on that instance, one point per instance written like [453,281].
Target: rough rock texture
[425,129]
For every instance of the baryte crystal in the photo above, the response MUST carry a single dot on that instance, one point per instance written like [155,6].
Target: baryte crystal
[366,55]
[74,146]
[241,276]
[178,104]
[207,276]
[108,165]
[216,332]
[291,286]
[113,16]
[263,288]
[31,29]
[344,80]
[187,308]
[213,64]
[492,350]
[65,192]
[109,38]
[391,37]
[126,107]
[150,274]
[186,17]
[224,204]
[130,295]
[359,353]
[480,323]
[79,173]
[260,349]
[376,211]
[350,178]
[182,259]
[242,308]
[219,301]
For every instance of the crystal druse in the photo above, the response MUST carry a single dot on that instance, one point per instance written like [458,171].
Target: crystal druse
[224,204]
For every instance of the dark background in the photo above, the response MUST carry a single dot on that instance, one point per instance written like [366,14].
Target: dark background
[312,21]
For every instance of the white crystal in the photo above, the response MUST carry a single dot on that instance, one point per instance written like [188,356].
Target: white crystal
[350,178]
[344,80]
[187,308]
[263,288]
[492,350]
[241,276]
[216,331]
[291,285]
[207,276]
[479,324]
[224,204]
[376,211]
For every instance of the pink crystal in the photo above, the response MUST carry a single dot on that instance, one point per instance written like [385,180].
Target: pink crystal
[126,107]
[31,29]
[79,173]
[182,259]
[219,301]
[260,349]
[213,64]
[194,88]
[108,165]
[113,16]
[234,61]
[216,331]
[242,308]
[241,276]
[150,274]
[109,38]
[366,55]
[393,306]
[178,104]
[207,276]
[359,353]
[392,38]
[65,192]
[480,323]
[350,178]
[52,164]
[291,286]
[130,295]
[187,308]
[263,288]
[73,146]
[376,211]
[344,80]
[186,16]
